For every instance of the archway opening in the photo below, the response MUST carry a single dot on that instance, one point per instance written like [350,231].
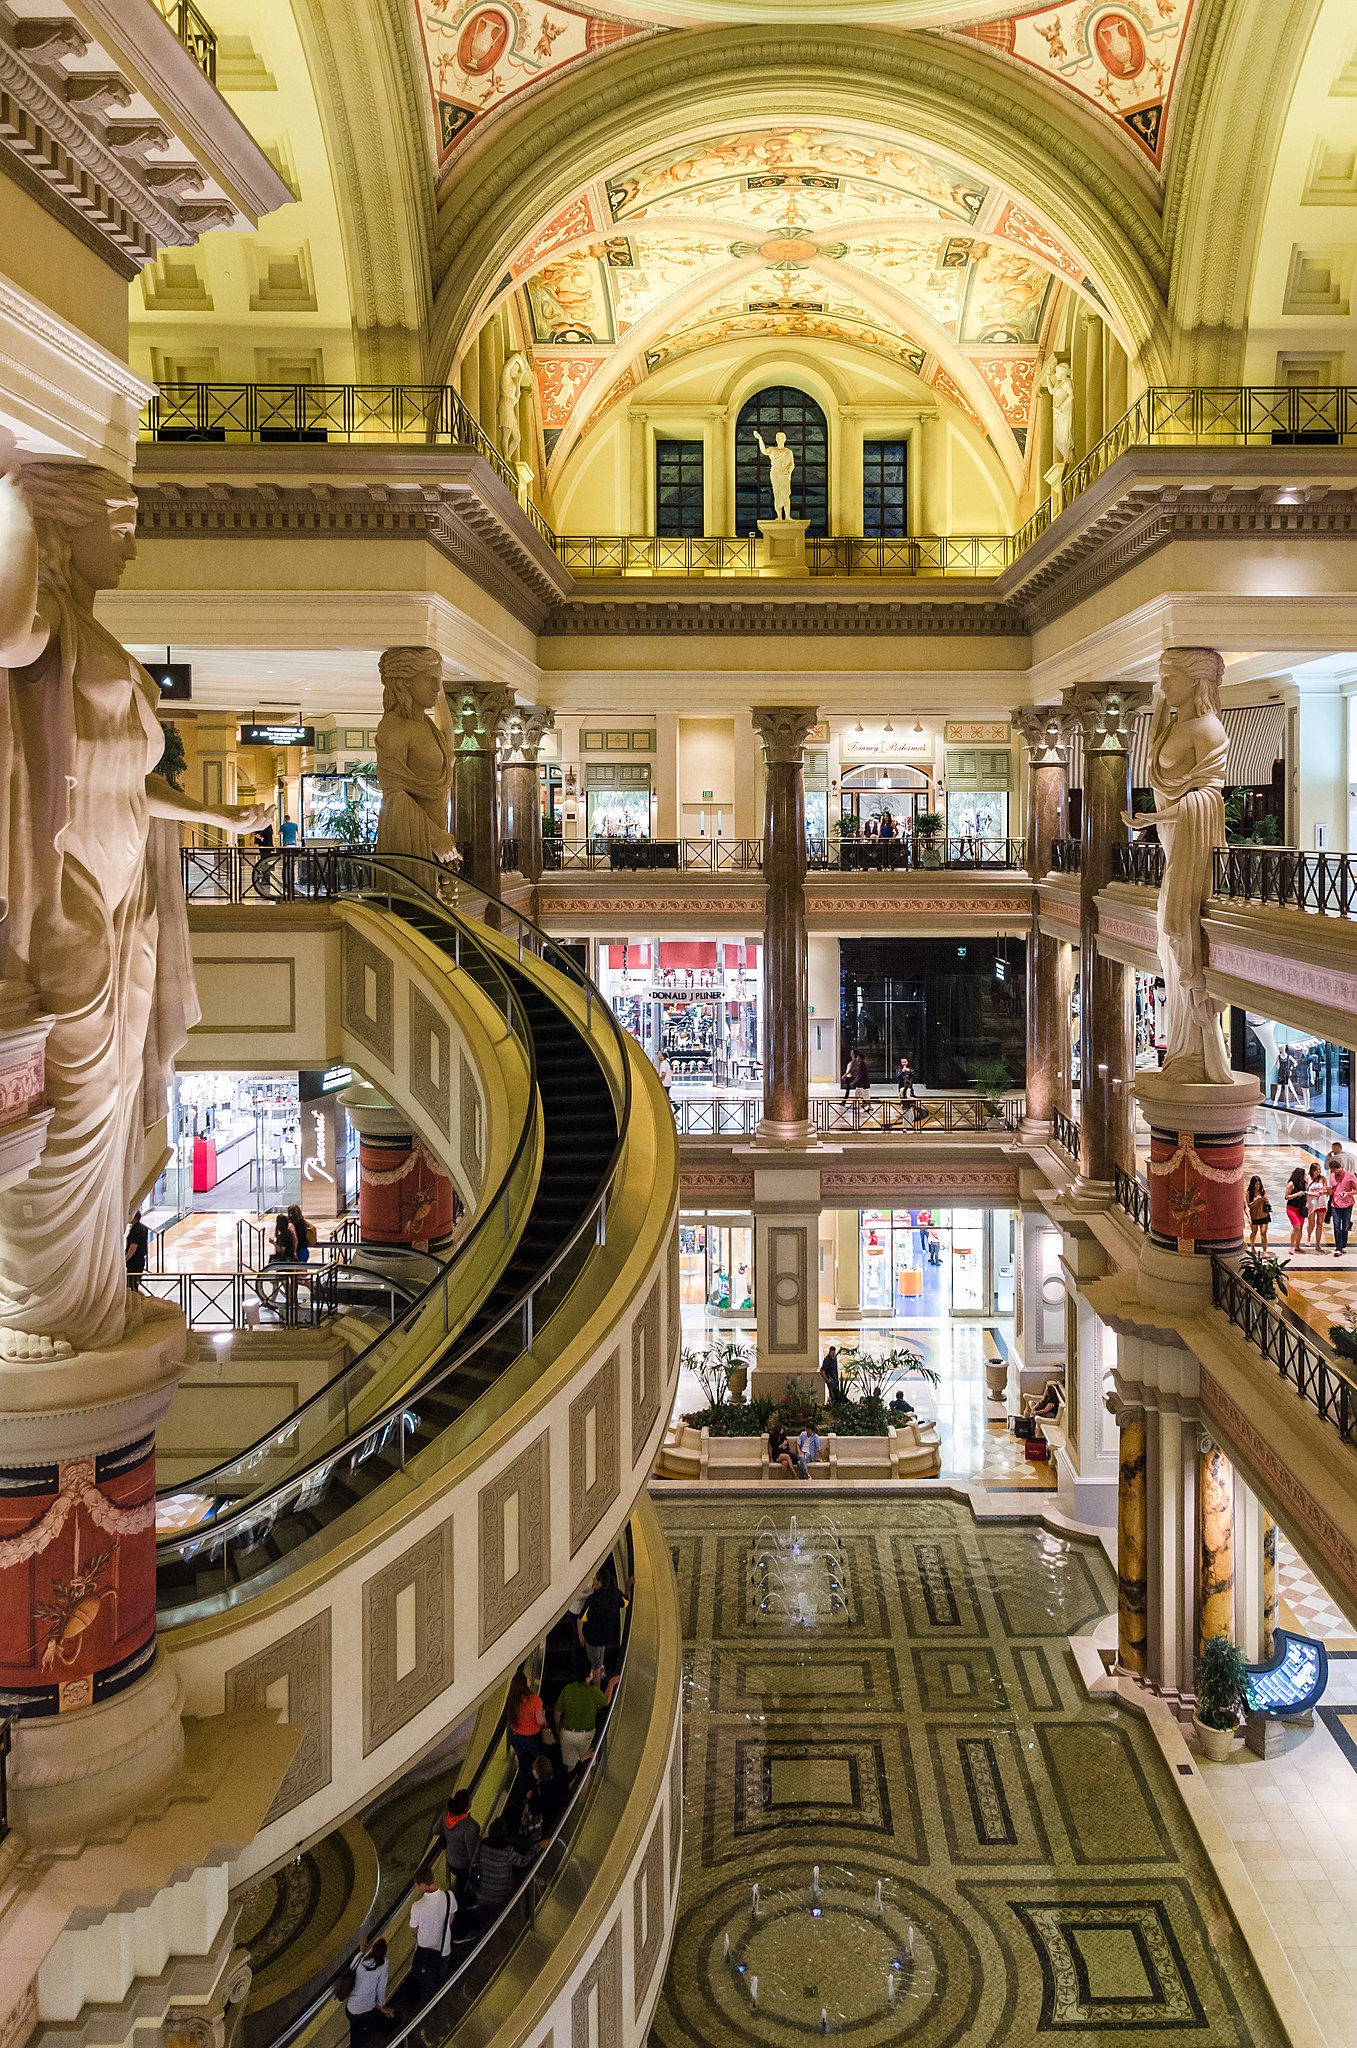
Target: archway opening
[782,409]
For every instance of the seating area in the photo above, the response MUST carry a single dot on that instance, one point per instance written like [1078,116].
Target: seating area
[910,1450]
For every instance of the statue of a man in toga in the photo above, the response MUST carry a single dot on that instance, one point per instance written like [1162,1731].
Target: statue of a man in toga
[781,463]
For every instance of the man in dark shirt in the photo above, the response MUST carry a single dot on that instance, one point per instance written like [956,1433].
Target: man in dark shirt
[600,1623]
[138,1238]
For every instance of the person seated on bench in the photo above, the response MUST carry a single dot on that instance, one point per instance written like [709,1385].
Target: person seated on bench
[1049,1404]
[900,1410]
[808,1444]
[780,1451]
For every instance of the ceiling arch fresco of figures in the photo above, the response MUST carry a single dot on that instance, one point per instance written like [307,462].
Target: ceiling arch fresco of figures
[1122,58]
[794,232]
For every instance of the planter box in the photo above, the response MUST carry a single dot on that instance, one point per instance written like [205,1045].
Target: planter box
[909,1452]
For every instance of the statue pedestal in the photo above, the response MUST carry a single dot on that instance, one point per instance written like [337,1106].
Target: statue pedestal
[781,550]
[1196,1180]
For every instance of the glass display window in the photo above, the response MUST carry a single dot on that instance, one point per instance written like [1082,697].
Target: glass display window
[617,814]
[977,814]
[716,1264]
[919,1265]
[698,1001]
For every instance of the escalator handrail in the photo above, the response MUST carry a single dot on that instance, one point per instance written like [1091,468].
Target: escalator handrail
[566,1827]
[516,1019]
[208,1535]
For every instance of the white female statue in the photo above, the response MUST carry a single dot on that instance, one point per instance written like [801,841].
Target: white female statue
[514,379]
[1059,382]
[96,919]
[414,756]
[1188,749]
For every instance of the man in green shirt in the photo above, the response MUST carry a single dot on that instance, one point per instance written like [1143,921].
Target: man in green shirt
[577,1709]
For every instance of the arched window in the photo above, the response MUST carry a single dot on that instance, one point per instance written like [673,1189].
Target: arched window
[782,409]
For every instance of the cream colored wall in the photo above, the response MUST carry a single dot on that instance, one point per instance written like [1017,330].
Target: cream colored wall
[274,306]
[1303,307]
[1322,795]
[706,761]
[822,994]
[606,482]
[46,260]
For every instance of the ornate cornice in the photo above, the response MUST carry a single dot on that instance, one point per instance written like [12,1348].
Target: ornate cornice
[818,612]
[86,160]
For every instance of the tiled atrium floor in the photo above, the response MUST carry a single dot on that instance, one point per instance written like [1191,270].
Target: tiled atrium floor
[1038,1874]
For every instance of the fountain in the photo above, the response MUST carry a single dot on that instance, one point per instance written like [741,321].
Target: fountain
[799,1575]
[842,1935]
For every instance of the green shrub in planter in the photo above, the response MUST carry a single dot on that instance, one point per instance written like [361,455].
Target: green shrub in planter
[1222,1684]
[1264,1274]
[1343,1337]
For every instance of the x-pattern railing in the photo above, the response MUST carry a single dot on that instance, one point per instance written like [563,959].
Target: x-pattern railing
[1319,1379]
[1164,416]
[194,31]
[739,1116]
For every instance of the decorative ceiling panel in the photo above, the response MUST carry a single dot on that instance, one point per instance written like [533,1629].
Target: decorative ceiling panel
[1121,58]
[483,53]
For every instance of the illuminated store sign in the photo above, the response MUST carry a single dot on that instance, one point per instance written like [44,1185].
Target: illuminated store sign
[277,735]
[886,746]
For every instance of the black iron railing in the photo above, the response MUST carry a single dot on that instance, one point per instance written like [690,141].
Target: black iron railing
[1322,882]
[1317,1376]
[876,856]
[691,856]
[293,1297]
[885,1115]
[6,1743]
[1132,1195]
[1066,855]
[1065,1131]
[194,32]
[1137,861]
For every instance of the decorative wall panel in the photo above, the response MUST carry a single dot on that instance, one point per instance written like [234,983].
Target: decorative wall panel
[471,1125]
[602,1986]
[430,1060]
[368,981]
[788,1259]
[595,1449]
[647,1920]
[294,1674]
[393,1695]
[515,1551]
[647,1378]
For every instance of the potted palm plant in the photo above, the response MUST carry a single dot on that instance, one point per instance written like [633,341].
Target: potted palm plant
[732,1360]
[927,832]
[1222,1697]
[1265,1274]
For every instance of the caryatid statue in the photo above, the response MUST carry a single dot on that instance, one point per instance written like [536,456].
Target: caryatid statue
[89,863]
[1188,749]
[414,756]
[781,463]
[514,379]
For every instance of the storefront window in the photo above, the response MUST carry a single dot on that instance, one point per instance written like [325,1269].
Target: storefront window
[716,1264]
[817,817]
[341,807]
[237,1143]
[697,1000]
[618,813]
[977,814]
[922,1264]
[951,1007]
[1296,1070]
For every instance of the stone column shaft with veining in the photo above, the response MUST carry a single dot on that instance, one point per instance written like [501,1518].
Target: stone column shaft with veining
[477,709]
[1216,1555]
[520,784]
[1046,731]
[786,1099]
[1107,713]
[1132,1582]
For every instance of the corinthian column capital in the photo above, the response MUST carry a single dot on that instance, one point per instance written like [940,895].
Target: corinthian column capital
[784,731]
[1045,730]
[1107,714]
[477,709]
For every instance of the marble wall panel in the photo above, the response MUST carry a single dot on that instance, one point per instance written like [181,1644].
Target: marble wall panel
[595,1449]
[430,1060]
[393,1695]
[293,1675]
[515,1547]
[368,999]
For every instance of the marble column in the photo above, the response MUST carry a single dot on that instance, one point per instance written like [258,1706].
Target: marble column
[1045,729]
[1132,1582]
[786,1096]
[1270,1594]
[404,1197]
[521,784]
[477,709]
[1216,1550]
[1107,714]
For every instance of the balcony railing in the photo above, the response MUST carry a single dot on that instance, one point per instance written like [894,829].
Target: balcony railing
[1066,855]
[1066,1132]
[875,856]
[1208,416]
[1328,1386]
[1132,1195]
[885,1116]
[1325,883]
[1137,861]
[691,856]
[195,33]
[1187,416]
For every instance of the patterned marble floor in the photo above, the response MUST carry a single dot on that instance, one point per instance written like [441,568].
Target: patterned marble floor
[928,1733]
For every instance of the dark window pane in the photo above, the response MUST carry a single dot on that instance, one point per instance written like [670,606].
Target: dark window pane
[678,489]
[782,409]
[885,511]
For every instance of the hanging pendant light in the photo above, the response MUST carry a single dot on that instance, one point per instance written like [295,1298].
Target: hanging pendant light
[888,727]
[918,727]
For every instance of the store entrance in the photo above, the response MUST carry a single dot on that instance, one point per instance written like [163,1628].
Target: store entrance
[923,1265]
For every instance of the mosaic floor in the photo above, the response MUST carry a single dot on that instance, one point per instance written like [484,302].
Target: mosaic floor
[897,1706]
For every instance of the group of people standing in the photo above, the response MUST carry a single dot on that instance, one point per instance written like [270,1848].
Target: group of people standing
[550,1748]
[1315,1195]
[294,1237]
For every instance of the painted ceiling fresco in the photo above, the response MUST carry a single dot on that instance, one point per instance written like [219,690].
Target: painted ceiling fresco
[793,232]
[482,53]
[1122,58]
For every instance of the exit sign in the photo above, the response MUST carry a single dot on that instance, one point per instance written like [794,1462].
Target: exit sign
[706,796]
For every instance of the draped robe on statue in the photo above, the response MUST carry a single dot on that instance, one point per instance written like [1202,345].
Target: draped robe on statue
[414,771]
[1190,790]
[97,923]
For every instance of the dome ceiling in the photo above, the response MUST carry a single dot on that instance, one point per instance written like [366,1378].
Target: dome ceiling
[1120,58]
[793,232]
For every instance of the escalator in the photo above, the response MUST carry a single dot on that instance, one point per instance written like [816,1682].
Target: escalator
[253,1541]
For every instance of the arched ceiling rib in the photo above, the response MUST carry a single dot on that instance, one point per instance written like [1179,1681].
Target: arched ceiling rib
[809,231]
